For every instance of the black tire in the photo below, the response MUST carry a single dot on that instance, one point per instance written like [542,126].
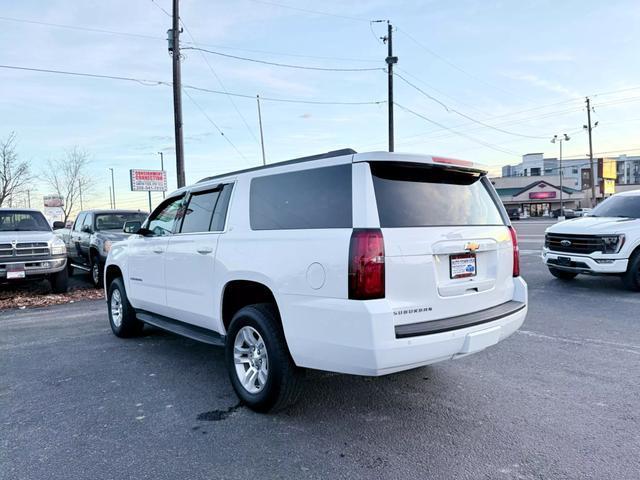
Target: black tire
[69,268]
[59,281]
[562,274]
[97,271]
[127,325]
[631,279]
[282,386]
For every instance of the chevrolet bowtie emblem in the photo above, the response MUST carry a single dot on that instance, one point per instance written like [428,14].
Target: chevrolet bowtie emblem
[472,246]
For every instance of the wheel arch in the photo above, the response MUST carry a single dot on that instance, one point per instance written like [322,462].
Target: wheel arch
[238,293]
[111,273]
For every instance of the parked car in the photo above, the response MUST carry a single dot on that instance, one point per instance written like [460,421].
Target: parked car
[607,242]
[365,264]
[567,213]
[29,250]
[514,214]
[583,212]
[93,233]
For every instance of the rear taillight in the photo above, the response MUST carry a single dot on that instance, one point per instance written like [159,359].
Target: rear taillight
[516,252]
[366,264]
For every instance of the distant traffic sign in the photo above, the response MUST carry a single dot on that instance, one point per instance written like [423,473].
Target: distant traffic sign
[148,180]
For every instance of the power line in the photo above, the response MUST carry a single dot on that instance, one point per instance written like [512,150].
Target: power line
[481,142]
[151,37]
[474,120]
[148,83]
[451,64]
[83,29]
[285,65]
[314,12]
[161,9]
[214,124]
[213,72]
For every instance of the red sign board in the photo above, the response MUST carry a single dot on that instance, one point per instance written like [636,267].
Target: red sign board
[148,180]
[541,195]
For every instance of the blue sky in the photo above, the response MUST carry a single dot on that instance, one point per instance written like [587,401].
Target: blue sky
[523,67]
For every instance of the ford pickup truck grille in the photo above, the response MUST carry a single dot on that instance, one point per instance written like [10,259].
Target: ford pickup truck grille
[584,244]
[24,249]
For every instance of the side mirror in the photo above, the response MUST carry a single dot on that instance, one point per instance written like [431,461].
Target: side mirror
[86,229]
[58,225]
[131,226]
[145,232]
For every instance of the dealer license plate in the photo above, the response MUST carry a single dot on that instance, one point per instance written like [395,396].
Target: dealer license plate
[462,265]
[15,271]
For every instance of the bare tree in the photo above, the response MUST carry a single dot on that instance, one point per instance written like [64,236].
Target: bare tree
[14,174]
[69,178]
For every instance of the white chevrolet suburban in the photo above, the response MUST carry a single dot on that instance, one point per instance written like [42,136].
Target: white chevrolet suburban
[360,263]
[605,242]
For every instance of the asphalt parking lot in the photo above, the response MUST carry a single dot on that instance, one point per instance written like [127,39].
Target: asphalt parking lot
[560,399]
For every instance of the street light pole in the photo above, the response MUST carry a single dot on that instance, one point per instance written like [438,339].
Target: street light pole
[563,138]
[162,166]
[113,189]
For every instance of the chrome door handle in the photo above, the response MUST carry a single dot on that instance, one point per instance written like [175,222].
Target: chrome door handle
[204,250]
[158,250]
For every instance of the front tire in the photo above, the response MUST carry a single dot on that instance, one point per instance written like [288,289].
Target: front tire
[260,367]
[562,274]
[59,281]
[122,317]
[631,278]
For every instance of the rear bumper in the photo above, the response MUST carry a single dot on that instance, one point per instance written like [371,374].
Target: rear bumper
[584,263]
[360,337]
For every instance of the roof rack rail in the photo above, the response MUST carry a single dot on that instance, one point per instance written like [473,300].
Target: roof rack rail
[333,153]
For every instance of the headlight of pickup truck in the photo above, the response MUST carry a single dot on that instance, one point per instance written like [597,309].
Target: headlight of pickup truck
[106,246]
[612,243]
[58,247]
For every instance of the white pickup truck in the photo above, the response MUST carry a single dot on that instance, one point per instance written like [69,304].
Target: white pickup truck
[606,242]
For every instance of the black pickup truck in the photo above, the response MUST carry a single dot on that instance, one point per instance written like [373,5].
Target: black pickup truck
[89,240]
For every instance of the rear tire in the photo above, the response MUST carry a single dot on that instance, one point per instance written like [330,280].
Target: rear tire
[260,367]
[631,279]
[562,274]
[97,271]
[59,281]
[122,316]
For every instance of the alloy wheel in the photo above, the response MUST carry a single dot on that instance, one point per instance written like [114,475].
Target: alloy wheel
[251,359]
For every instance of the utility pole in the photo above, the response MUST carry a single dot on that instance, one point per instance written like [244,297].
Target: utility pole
[29,198]
[161,168]
[110,198]
[593,173]
[80,191]
[264,159]
[113,189]
[174,50]
[390,62]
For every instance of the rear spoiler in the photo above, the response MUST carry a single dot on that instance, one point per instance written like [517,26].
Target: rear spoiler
[425,159]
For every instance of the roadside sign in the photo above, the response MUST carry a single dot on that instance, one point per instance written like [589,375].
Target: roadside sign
[148,180]
[53,201]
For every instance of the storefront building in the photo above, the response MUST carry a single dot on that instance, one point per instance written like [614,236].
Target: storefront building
[539,198]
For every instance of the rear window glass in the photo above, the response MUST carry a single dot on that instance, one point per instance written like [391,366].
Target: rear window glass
[317,198]
[417,195]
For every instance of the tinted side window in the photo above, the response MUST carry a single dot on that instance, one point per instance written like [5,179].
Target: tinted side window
[161,221]
[220,214]
[317,198]
[78,223]
[197,215]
